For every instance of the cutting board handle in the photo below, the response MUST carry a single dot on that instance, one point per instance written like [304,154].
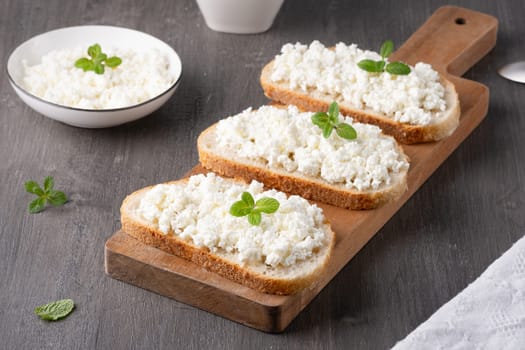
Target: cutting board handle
[452,40]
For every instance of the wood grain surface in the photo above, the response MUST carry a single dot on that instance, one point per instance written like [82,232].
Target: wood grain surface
[465,215]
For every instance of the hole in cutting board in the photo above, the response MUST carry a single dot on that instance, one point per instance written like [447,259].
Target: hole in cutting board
[460,21]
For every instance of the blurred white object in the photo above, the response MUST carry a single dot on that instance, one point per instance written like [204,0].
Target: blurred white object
[488,314]
[33,49]
[514,71]
[239,16]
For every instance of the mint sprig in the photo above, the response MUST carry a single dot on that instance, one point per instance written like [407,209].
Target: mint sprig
[248,207]
[45,195]
[98,60]
[55,310]
[396,68]
[330,121]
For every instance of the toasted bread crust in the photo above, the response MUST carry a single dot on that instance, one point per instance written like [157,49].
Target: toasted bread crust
[212,262]
[403,132]
[306,187]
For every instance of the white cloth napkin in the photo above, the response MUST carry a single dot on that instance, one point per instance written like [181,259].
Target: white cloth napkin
[488,314]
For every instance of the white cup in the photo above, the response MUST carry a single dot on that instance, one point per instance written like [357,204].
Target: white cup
[239,16]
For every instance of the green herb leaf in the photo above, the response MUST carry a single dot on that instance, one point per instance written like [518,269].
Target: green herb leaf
[397,68]
[327,130]
[386,49]
[113,62]
[247,198]
[247,207]
[33,187]
[56,198]
[267,205]
[49,183]
[371,66]
[98,61]
[328,122]
[55,310]
[255,218]
[94,50]
[48,194]
[37,205]
[99,69]
[81,62]
[320,119]
[240,208]
[346,131]
[333,110]
[84,64]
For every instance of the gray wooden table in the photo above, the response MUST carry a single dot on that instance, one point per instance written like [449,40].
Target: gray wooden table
[467,214]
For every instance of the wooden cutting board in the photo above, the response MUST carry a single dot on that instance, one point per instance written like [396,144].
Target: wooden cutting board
[452,40]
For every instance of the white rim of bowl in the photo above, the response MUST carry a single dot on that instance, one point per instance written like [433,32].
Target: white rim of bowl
[173,86]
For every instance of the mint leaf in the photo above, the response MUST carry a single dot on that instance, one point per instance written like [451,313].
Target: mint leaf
[386,49]
[247,198]
[94,50]
[320,119]
[56,198]
[98,61]
[327,130]
[55,310]
[398,68]
[255,218]
[49,183]
[37,205]
[113,62]
[371,66]
[48,194]
[267,205]
[240,208]
[247,207]
[333,110]
[84,64]
[345,131]
[327,123]
[99,69]
[33,187]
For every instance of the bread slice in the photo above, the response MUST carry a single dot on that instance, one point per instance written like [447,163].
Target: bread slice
[315,101]
[282,280]
[228,162]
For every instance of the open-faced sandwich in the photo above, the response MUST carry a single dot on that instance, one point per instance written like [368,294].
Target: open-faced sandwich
[413,104]
[262,239]
[323,156]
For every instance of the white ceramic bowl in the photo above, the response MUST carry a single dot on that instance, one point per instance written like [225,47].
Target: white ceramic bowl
[33,49]
[239,16]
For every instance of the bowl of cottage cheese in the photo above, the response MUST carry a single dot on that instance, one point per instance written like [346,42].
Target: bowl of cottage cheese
[139,74]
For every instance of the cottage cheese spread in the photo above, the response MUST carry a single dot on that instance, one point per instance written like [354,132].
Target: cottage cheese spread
[286,139]
[198,212]
[140,77]
[416,98]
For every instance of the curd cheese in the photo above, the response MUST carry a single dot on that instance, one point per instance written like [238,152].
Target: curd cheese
[140,77]
[417,98]
[198,212]
[286,139]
